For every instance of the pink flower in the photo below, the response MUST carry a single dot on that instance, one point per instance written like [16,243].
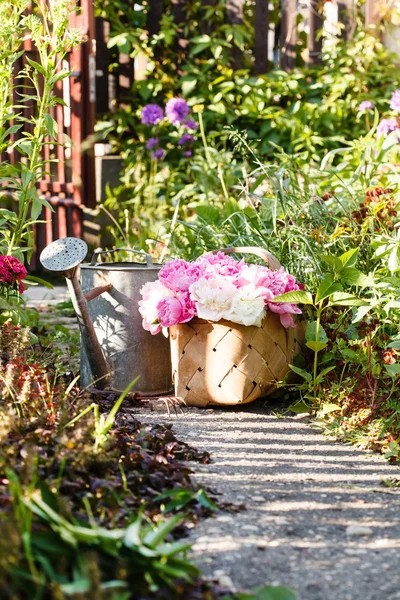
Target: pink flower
[188,307]
[219,264]
[169,311]
[12,271]
[178,275]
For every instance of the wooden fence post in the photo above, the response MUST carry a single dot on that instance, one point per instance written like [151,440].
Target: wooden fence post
[261,27]
[316,23]
[234,15]
[288,34]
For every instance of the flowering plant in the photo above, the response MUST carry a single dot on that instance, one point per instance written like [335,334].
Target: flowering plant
[12,273]
[176,114]
[214,287]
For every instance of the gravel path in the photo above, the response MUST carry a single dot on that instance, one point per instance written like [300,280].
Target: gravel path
[317,517]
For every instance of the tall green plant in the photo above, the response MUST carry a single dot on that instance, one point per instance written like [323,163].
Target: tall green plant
[47,25]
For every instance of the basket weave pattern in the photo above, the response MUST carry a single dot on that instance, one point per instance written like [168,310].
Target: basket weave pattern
[227,363]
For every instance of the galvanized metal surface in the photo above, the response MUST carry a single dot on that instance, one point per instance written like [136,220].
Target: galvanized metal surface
[129,350]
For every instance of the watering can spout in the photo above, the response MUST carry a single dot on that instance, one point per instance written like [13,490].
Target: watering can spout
[64,256]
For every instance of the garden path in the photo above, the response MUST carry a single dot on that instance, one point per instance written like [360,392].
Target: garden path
[317,517]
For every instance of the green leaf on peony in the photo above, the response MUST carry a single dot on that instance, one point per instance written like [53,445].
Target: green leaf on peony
[298,297]
[327,287]
[304,374]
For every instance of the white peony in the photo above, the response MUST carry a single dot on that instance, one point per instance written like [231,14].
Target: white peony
[212,297]
[152,292]
[248,307]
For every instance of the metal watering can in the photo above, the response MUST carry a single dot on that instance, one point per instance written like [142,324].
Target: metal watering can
[114,346]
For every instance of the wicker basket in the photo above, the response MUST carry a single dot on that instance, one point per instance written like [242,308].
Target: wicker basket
[227,363]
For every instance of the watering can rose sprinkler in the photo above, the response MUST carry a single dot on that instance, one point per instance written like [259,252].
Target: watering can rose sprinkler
[64,256]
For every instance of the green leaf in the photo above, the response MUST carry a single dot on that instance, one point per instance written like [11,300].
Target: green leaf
[304,374]
[327,287]
[51,125]
[311,333]
[349,259]
[39,280]
[298,297]
[35,65]
[154,537]
[393,370]
[334,261]
[345,299]
[37,207]
[353,276]
[316,346]
[361,312]
[394,259]
[132,533]
[203,499]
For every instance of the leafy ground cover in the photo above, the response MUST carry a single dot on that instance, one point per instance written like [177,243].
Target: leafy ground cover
[92,503]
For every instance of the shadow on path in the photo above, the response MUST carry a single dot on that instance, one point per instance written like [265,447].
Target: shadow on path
[302,491]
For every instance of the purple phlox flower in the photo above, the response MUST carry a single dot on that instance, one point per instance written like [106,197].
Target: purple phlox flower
[177,110]
[185,139]
[366,105]
[190,124]
[152,114]
[187,153]
[159,153]
[395,101]
[152,143]
[386,126]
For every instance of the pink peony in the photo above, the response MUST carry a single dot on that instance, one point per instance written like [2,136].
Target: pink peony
[169,311]
[219,264]
[214,287]
[188,307]
[178,275]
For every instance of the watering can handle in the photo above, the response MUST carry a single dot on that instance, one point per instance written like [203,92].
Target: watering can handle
[96,253]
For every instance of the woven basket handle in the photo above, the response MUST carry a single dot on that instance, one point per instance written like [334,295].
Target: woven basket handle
[269,258]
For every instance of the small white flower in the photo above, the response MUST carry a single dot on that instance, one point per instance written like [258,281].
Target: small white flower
[248,306]
[212,297]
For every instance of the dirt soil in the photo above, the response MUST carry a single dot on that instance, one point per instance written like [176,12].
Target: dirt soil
[317,518]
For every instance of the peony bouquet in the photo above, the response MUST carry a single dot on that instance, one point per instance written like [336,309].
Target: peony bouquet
[214,287]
